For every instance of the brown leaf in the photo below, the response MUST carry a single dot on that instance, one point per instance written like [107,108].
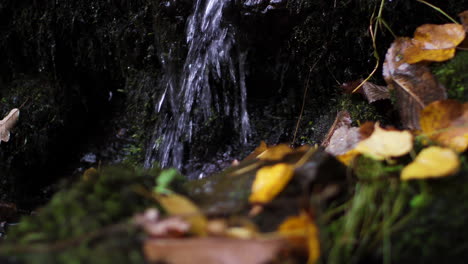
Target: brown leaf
[349,87]
[212,250]
[414,84]
[434,43]
[366,129]
[7,124]
[155,227]
[374,92]
[344,139]
[446,122]
[464,19]
[342,119]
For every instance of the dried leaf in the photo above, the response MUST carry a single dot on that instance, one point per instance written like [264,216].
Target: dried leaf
[374,92]
[343,140]
[414,84]
[446,122]
[363,132]
[269,181]
[302,232]
[178,205]
[7,124]
[275,153]
[464,19]
[212,250]
[432,162]
[366,129]
[156,227]
[434,43]
[342,119]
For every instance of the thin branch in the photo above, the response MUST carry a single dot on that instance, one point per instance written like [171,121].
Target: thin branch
[438,10]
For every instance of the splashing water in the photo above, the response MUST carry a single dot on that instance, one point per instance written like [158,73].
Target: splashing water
[191,99]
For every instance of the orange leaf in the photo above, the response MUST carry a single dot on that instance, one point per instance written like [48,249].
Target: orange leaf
[302,232]
[446,122]
[434,43]
[257,151]
[275,153]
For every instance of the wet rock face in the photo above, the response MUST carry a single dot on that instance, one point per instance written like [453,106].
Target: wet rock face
[262,6]
[175,7]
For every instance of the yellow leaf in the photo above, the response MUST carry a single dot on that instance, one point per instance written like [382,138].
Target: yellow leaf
[90,174]
[275,153]
[269,181]
[434,43]
[241,232]
[259,150]
[432,162]
[383,144]
[178,205]
[302,232]
[348,157]
[446,122]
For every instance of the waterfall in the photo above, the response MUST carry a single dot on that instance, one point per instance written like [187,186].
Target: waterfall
[190,99]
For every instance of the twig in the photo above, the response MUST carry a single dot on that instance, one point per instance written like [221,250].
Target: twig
[304,99]
[438,10]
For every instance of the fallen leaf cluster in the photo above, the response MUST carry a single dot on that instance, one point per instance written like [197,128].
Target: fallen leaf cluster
[406,72]
[421,102]
[443,122]
[183,227]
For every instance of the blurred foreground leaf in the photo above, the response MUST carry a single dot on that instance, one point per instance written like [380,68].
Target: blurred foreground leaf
[432,162]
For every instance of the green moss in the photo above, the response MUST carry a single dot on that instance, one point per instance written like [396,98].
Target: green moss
[453,74]
[377,203]
[437,233]
[359,109]
[86,222]
[385,219]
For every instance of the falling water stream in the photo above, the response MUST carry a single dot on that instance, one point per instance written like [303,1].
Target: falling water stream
[211,84]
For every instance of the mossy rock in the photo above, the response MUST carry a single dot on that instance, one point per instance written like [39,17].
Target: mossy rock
[85,222]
